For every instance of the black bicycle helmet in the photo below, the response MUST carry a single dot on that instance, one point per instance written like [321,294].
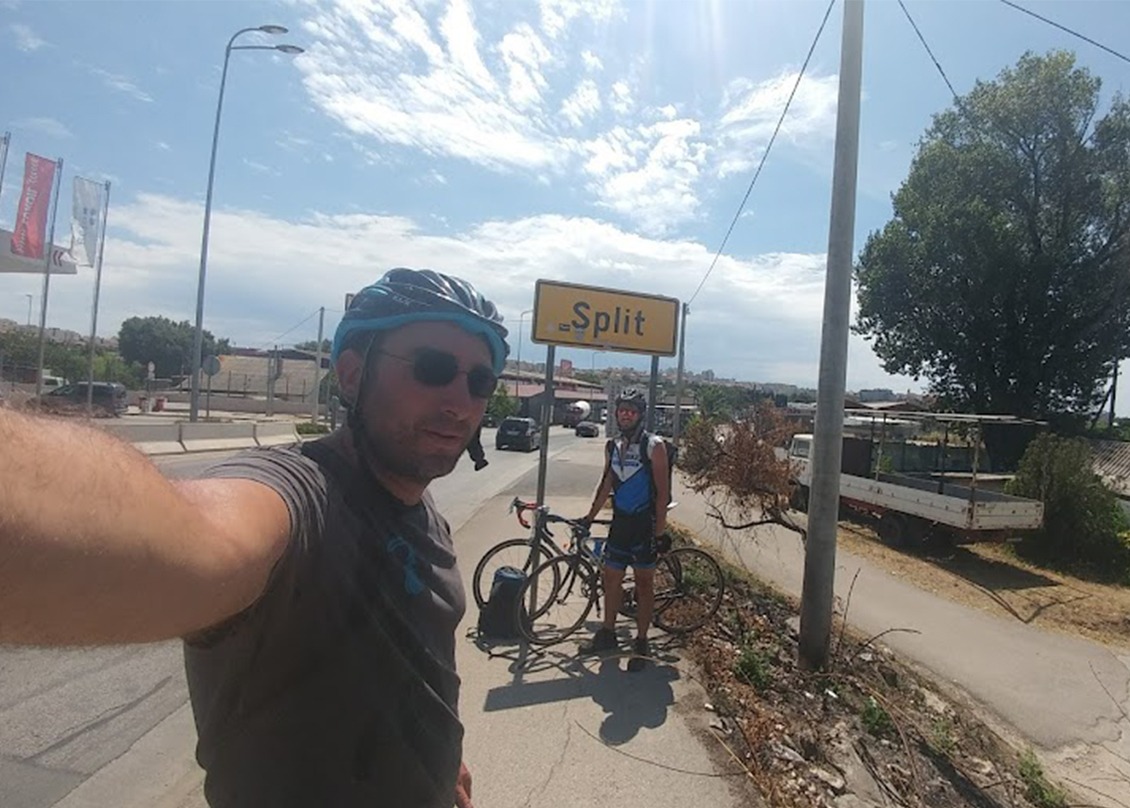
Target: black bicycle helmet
[405,296]
[633,397]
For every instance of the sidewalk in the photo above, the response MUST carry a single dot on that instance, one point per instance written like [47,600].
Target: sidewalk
[559,730]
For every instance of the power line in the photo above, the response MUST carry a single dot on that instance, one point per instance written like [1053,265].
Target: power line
[922,39]
[1064,28]
[294,327]
[765,155]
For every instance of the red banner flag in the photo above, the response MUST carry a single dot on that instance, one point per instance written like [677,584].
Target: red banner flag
[30,233]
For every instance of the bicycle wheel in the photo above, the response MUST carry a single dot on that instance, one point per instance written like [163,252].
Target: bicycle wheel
[510,553]
[688,590]
[566,593]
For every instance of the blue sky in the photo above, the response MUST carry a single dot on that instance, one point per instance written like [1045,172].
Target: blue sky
[584,140]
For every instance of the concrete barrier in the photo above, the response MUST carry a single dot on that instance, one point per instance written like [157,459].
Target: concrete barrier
[200,437]
[276,433]
[152,439]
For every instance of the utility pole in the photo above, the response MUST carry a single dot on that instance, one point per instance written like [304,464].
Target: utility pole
[48,249]
[652,394]
[272,375]
[318,368]
[824,498]
[675,427]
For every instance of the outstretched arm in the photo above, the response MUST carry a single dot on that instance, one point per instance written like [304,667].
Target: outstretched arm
[97,546]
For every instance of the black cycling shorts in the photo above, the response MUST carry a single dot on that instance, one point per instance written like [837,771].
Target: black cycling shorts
[631,541]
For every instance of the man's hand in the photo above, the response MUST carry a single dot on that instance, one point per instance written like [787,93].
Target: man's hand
[463,788]
[663,544]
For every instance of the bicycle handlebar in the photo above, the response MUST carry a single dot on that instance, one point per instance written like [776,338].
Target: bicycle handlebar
[521,507]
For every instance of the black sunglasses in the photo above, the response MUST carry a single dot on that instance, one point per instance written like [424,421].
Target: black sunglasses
[434,368]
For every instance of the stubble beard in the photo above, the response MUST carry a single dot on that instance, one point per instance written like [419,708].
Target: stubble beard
[395,447]
[395,452]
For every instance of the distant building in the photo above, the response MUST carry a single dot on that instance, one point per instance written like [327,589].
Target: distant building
[876,395]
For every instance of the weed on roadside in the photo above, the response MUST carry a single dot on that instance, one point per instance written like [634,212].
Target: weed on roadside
[1038,790]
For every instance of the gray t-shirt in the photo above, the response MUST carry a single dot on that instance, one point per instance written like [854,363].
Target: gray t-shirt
[338,686]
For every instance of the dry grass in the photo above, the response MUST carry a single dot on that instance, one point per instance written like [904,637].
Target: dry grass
[990,577]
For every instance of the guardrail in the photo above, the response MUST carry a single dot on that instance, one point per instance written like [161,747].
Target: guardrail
[179,438]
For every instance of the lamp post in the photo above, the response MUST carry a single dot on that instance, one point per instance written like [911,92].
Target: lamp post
[521,317]
[198,336]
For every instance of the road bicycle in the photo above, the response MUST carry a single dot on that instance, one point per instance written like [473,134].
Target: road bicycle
[559,594]
[524,554]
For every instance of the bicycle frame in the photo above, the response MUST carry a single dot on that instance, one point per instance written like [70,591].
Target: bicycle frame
[541,534]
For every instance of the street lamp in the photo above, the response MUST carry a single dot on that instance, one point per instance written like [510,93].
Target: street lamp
[198,336]
[521,317]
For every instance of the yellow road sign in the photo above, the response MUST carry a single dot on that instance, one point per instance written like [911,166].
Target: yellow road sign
[591,317]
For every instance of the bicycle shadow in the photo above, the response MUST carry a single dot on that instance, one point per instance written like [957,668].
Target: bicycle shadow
[630,701]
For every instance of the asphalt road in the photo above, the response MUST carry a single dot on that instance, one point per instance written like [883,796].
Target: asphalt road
[66,714]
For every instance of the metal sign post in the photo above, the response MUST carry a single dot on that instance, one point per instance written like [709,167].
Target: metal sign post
[546,417]
[210,366]
[652,392]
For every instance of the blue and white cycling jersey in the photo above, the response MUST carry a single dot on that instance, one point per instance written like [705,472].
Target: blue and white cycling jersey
[632,484]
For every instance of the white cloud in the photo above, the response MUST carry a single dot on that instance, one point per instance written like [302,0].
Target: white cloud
[524,54]
[426,78]
[582,104]
[26,39]
[648,174]
[163,146]
[122,84]
[621,100]
[292,142]
[757,319]
[462,39]
[44,125]
[557,15]
[260,168]
[383,73]
[751,111]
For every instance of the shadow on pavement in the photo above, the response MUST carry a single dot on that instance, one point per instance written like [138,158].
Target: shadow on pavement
[629,701]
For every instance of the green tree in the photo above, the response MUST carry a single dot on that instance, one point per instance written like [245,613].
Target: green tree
[167,344]
[1003,276]
[501,404]
[1085,529]
[19,348]
[109,367]
[720,402]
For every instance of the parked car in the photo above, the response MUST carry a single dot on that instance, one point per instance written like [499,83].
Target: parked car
[109,399]
[587,429]
[518,433]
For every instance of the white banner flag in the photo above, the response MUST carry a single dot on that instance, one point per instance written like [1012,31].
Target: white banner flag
[86,218]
